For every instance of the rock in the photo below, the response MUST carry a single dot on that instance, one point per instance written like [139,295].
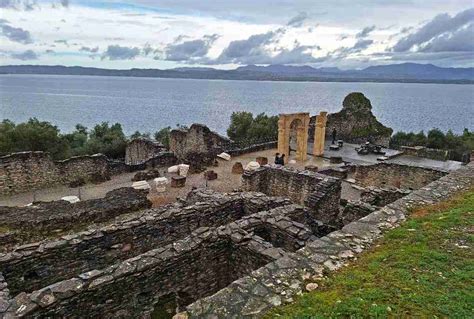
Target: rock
[312,286]
[181,315]
[237,168]
[146,175]
[224,156]
[335,160]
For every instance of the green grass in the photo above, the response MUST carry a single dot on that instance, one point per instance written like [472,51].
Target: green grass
[423,269]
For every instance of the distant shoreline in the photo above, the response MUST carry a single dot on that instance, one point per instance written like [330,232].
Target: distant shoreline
[212,74]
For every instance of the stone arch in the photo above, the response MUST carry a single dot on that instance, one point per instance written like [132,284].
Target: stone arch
[297,123]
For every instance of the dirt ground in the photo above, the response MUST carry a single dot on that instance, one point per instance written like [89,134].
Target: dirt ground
[225,182]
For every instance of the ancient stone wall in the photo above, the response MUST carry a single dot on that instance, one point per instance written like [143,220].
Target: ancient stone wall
[189,269]
[431,153]
[318,192]
[35,265]
[355,123]
[197,146]
[252,148]
[395,175]
[355,210]
[43,217]
[140,150]
[20,172]
[382,196]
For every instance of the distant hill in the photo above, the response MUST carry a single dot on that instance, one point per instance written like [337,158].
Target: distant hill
[405,72]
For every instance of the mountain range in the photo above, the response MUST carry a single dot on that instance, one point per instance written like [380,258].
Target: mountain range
[404,72]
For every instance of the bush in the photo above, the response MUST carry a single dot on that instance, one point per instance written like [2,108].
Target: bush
[163,136]
[35,135]
[456,144]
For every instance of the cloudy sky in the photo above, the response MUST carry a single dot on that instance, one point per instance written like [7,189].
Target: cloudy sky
[225,34]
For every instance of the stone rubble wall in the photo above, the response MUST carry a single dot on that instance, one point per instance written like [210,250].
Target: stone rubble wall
[20,172]
[425,152]
[26,171]
[382,196]
[252,148]
[355,210]
[123,239]
[197,146]
[42,218]
[280,281]
[139,150]
[189,269]
[395,175]
[318,192]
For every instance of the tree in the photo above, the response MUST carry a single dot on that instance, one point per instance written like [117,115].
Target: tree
[163,136]
[137,134]
[245,128]
[108,140]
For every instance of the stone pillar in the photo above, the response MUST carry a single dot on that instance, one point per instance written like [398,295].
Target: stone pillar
[319,134]
[283,137]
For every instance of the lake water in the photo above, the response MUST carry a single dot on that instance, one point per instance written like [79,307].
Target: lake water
[148,104]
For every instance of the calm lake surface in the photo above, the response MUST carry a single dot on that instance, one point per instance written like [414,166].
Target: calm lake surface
[148,104]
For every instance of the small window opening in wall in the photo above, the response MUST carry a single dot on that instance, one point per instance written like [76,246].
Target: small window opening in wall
[34,274]
[165,307]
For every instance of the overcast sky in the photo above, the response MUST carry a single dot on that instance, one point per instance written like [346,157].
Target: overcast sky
[225,34]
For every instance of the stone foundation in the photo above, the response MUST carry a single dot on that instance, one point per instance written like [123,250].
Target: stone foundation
[318,192]
[395,175]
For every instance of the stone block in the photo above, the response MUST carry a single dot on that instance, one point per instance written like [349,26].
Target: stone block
[237,168]
[311,168]
[178,181]
[334,147]
[210,175]
[262,160]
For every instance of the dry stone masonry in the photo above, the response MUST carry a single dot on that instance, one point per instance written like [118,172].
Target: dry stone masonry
[214,255]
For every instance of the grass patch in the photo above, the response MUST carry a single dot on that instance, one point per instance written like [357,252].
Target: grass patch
[423,269]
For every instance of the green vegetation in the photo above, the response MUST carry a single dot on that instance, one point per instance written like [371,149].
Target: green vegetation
[423,269]
[456,144]
[245,128]
[35,135]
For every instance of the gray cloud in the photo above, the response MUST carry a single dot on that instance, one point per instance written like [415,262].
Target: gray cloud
[117,52]
[298,20]
[360,45]
[14,34]
[192,49]
[88,49]
[365,32]
[439,25]
[18,4]
[65,3]
[459,40]
[249,51]
[26,55]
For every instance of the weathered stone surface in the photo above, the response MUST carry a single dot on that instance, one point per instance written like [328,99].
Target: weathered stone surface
[139,150]
[146,175]
[355,123]
[210,175]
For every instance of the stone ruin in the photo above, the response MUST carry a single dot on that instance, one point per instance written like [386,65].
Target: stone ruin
[197,146]
[139,150]
[213,255]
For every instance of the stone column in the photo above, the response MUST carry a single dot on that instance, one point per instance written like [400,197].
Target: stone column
[282,137]
[319,134]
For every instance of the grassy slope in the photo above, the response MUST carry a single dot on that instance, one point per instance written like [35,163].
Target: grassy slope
[423,269]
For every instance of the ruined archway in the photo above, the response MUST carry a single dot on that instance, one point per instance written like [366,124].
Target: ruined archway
[293,131]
